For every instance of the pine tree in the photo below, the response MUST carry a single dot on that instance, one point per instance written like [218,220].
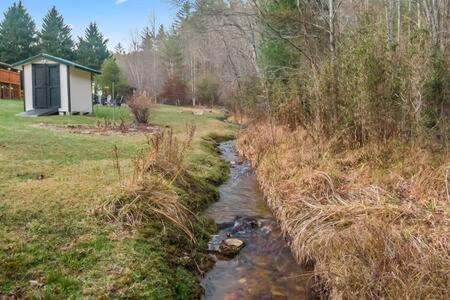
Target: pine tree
[119,49]
[18,39]
[161,36]
[92,50]
[172,55]
[183,15]
[148,39]
[55,37]
[111,74]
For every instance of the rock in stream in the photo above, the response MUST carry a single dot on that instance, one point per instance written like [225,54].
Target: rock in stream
[231,247]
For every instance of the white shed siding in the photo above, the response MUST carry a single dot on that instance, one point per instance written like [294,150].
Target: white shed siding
[80,91]
[28,87]
[64,88]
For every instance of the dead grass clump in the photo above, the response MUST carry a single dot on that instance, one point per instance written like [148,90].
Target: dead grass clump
[149,194]
[374,221]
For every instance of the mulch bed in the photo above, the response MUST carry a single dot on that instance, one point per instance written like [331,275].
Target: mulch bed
[105,129]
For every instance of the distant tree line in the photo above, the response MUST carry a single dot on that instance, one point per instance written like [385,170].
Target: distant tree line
[362,71]
[167,63]
[19,38]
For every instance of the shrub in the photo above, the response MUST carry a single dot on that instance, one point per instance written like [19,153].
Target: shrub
[208,89]
[175,91]
[140,107]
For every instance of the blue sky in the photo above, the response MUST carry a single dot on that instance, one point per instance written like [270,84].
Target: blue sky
[117,19]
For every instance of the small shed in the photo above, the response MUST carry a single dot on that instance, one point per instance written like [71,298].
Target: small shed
[55,85]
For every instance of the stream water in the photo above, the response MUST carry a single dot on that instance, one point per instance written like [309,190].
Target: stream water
[265,267]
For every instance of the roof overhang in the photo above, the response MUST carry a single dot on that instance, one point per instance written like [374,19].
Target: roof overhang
[6,66]
[55,59]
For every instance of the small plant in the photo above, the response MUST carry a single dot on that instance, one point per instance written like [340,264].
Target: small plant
[140,107]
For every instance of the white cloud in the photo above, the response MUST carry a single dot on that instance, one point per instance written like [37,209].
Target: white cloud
[120,1]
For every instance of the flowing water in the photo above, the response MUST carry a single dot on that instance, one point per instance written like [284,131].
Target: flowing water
[265,267]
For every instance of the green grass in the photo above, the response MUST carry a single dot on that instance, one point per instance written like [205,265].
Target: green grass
[50,244]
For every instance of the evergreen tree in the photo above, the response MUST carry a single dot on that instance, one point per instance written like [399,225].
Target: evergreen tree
[148,39]
[111,74]
[161,36]
[92,50]
[183,15]
[119,49]
[172,55]
[18,39]
[55,37]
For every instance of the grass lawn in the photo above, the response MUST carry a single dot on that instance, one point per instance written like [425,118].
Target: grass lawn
[50,245]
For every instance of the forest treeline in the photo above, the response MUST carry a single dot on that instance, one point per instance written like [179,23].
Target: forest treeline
[368,70]
[20,39]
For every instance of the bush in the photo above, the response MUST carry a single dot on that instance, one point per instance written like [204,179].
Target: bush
[208,89]
[175,92]
[140,107]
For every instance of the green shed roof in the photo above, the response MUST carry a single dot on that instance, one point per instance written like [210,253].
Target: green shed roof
[5,65]
[56,59]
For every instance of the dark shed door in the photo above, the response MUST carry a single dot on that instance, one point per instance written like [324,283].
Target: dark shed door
[46,86]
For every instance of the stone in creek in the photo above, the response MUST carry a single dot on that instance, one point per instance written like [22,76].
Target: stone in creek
[244,224]
[242,281]
[231,247]
[207,263]
[225,225]
[236,162]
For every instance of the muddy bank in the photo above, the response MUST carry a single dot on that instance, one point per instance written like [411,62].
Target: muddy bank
[264,268]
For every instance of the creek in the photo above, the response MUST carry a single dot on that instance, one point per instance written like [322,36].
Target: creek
[265,267]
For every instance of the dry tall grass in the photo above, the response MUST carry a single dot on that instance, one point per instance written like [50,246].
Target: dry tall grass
[149,193]
[374,221]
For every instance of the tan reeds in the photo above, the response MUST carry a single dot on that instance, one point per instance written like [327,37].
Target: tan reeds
[149,193]
[363,216]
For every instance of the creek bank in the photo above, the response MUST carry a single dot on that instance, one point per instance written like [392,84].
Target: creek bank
[357,217]
[183,254]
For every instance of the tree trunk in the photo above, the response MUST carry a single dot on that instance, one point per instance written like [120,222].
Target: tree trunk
[332,17]
[399,20]
[418,15]
[389,6]
[332,46]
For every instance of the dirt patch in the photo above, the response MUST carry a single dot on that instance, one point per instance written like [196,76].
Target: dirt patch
[105,129]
